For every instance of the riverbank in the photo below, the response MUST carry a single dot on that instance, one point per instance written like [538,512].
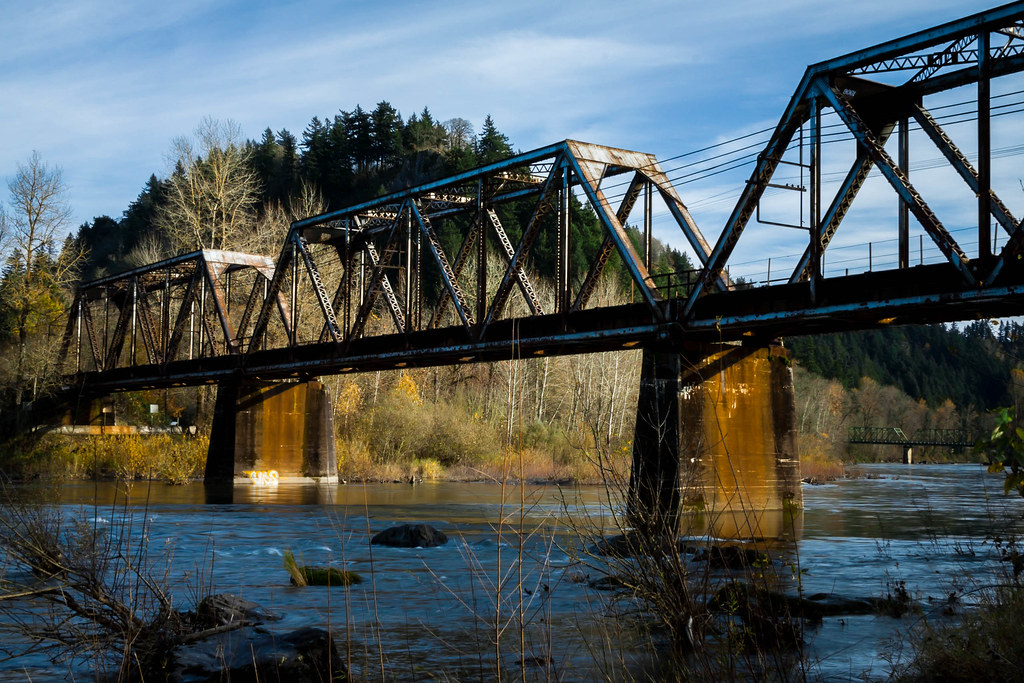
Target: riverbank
[180,458]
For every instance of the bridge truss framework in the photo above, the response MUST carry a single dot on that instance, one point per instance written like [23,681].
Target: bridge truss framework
[444,273]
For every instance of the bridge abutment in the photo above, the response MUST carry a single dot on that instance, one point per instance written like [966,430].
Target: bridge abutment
[715,447]
[264,427]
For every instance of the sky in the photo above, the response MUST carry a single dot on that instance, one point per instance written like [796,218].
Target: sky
[101,87]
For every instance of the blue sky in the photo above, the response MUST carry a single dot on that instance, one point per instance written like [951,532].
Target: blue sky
[100,87]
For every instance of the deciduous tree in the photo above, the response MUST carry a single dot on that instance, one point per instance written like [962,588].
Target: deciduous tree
[41,262]
[211,196]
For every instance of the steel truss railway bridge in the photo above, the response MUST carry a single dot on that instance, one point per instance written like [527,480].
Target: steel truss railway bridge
[443,273]
[958,439]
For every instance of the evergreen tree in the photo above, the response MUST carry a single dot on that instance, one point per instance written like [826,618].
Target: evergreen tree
[316,146]
[264,157]
[492,145]
[359,127]
[387,135]
[284,182]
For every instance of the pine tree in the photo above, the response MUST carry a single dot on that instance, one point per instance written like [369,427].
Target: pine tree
[492,145]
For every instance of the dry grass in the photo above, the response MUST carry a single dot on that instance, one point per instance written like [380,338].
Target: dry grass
[176,459]
[986,644]
[818,461]
[816,471]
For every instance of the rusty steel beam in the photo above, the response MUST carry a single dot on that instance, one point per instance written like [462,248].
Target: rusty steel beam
[523,280]
[899,181]
[448,276]
[530,232]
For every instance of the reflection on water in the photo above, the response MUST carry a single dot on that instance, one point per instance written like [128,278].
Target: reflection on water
[780,526]
[434,610]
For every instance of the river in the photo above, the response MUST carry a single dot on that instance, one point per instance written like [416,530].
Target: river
[427,613]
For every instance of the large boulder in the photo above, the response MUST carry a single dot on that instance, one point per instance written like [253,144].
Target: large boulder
[636,544]
[307,655]
[223,609]
[410,536]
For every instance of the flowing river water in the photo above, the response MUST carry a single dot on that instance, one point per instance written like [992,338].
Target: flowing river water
[427,613]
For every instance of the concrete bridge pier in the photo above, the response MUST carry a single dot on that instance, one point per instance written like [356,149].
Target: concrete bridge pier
[908,455]
[272,431]
[715,447]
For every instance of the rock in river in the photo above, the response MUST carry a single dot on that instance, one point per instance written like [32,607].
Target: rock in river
[410,536]
[306,655]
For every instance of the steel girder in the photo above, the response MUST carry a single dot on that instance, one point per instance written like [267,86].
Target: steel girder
[958,53]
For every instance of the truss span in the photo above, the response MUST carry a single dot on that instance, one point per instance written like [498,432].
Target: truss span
[448,273]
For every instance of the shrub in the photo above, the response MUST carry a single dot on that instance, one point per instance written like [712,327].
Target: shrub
[456,438]
[985,645]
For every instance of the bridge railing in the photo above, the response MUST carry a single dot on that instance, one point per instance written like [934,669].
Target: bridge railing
[676,284]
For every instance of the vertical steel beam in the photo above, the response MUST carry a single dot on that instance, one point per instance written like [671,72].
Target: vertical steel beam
[362,277]
[347,280]
[409,311]
[165,315]
[106,322]
[78,335]
[134,320]
[815,208]
[293,338]
[904,208]
[481,254]
[563,247]
[648,221]
[418,281]
[202,309]
[984,148]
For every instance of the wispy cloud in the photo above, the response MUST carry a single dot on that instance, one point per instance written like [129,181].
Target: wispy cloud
[100,88]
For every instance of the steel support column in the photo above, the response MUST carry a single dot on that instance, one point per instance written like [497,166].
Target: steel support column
[984,149]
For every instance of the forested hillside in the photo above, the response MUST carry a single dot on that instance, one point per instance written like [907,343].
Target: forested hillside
[968,364]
